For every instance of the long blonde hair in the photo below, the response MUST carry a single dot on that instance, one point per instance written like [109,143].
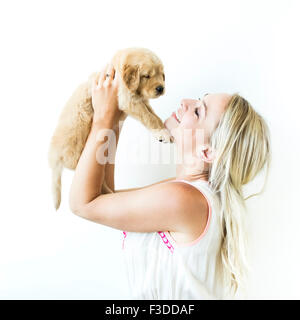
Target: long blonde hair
[242,144]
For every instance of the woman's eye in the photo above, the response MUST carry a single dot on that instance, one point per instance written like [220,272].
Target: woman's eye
[196,111]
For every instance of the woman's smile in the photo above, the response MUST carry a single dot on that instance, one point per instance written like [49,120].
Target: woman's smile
[174,115]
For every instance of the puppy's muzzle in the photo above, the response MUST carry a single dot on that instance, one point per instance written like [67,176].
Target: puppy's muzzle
[159,90]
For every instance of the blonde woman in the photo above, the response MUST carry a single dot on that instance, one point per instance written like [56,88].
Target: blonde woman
[183,237]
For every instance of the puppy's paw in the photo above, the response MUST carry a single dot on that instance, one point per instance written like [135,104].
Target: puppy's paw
[163,135]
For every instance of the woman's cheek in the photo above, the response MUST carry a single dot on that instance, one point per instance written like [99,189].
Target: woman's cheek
[188,123]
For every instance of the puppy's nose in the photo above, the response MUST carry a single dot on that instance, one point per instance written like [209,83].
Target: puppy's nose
[159,89]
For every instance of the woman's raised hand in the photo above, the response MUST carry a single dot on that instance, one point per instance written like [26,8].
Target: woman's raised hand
[105,97]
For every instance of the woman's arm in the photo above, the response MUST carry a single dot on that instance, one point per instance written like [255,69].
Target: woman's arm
[176,207]
[110,167]
[89,173]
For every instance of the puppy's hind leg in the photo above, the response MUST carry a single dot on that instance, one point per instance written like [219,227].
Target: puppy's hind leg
[56,185]
[57,167]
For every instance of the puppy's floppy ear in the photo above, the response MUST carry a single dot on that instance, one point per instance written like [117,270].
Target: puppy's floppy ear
[131,76]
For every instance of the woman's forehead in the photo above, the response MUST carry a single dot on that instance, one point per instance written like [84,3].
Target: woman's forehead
[216,100]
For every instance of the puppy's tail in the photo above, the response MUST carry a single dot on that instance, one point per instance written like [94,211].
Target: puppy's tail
[56,183]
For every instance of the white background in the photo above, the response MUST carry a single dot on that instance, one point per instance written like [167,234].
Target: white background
[49,47]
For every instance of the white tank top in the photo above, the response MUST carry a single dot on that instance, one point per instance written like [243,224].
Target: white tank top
[159,268]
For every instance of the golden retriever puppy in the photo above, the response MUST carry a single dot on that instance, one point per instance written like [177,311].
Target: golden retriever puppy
[142,78]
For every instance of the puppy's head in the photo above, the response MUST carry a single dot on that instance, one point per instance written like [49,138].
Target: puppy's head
[143,73]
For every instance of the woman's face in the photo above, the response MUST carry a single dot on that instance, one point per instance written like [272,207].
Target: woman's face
[200,116]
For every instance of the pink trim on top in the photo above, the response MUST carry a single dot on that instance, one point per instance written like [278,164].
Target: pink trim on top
[173,241]
[125,235]
[166,241]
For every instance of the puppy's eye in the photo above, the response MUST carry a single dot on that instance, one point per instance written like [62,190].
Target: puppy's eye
[164,76]
[146,76]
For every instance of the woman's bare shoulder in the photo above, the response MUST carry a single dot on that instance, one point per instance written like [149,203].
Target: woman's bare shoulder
[195,208]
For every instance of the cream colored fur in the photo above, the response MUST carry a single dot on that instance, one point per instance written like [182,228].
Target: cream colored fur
[141,73]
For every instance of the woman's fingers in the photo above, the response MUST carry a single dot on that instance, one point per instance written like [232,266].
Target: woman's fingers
[102,77]
[107,76]
[116,78]
[110,74]
[94,84]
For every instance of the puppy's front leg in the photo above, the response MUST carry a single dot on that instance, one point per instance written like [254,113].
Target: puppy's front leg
[143,112]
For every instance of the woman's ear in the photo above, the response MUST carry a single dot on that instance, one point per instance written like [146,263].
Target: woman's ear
[206,153]
[131,76]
